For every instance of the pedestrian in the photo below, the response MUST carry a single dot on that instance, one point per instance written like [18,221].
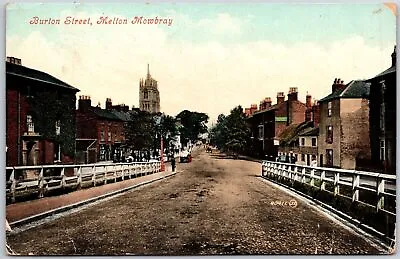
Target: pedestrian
[173,163]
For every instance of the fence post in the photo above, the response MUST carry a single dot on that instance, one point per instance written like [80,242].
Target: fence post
[356,184]
[294,175]
[79,173]
[41,191]
[312,177]
[123,172]
[303,175]
[379,193]
[336,184]
[105,174]
[131,168]
[262,168]
[63,180]
[13,185]
[115,173]
[94,175]
[322,180]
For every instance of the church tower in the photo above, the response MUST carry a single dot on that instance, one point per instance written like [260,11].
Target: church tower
[149,96]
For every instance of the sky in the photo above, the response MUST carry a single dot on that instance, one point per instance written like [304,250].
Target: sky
[211,57]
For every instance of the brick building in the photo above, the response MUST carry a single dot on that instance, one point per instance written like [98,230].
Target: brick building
[383,119]
[269,122]
[149,96]
[103,130]
[343,139]
[40,120]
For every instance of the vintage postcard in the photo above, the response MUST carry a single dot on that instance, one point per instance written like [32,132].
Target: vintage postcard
[200,128]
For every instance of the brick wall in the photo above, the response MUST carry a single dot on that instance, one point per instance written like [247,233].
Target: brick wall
[355,140]
[334,120]
[297,111]
[14,104]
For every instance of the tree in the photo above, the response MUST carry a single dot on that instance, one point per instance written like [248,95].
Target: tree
[193,124]
[140,134]
[166,128]
[231,132]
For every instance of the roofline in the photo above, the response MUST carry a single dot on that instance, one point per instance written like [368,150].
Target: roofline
[265,110]
[43,81]
[347,88]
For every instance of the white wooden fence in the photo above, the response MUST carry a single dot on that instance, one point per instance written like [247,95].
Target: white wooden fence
[28,180]
[377,185]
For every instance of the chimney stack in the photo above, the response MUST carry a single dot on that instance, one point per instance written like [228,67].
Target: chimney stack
[292,95]
[394,57]
[315,113]
[16,61]
[308,101]
[265,104]
[84,103]
[108,104]
[253,108]
[338,84]
[280,97]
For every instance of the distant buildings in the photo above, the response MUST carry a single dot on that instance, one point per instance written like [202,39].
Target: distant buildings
[354,127]
[40,122]
[149,96]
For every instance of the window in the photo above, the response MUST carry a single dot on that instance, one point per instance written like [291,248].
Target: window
[29,123]
[58,127]
[146,95]
[303,157]
[102,135]
[109,135]
[329,157]
[260,132]
[382,117]
[57,152]
[303,142]
[329,134]
[382,150]
[329,109]
[314,142]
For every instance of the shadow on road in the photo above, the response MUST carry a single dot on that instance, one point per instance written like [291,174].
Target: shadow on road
[231,157]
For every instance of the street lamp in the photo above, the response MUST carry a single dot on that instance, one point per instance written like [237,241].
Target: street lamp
[158,123]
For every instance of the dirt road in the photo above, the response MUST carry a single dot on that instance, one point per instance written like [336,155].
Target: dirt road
[213,206]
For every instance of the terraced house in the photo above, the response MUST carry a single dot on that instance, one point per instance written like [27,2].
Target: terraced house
[40,122]
[100,132]
[343,140]
[270,121]
[383,118]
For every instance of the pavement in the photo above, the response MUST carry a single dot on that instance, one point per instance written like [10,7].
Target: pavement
[22,210]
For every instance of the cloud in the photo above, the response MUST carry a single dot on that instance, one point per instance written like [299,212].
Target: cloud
[208,76]
[224,23]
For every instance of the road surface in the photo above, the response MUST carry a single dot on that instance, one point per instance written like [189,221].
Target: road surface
[213,206]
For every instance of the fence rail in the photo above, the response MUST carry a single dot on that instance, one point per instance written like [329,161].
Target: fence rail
[40,180]
[340,182]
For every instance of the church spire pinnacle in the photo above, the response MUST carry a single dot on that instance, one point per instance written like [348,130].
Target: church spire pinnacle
[148,71]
